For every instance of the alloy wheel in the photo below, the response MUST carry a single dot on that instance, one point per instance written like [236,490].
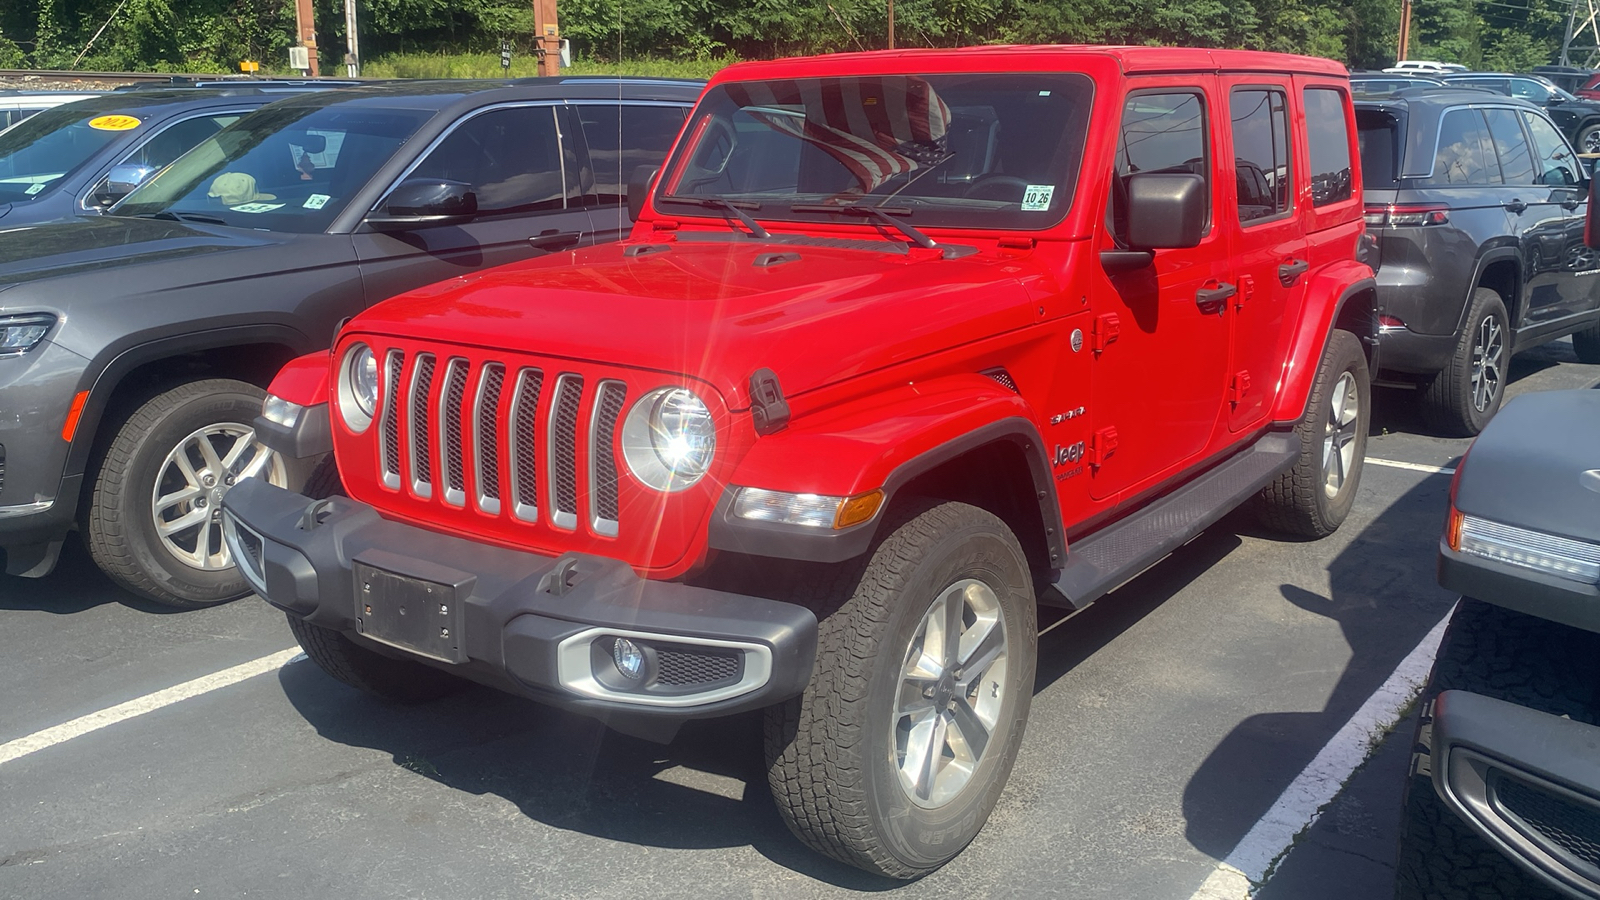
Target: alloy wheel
[1488,353]
[952,688]
[1339,434]
[186,503]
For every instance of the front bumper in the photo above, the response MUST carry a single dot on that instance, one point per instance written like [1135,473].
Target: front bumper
[530,625]
[1527,781]
[38,503]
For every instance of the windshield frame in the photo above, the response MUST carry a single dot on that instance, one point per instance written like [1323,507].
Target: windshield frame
[1065,163]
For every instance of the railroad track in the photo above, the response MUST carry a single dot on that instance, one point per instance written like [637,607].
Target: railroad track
[92,79]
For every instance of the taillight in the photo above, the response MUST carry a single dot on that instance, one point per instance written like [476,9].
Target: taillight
[1390,322]
[1394,215]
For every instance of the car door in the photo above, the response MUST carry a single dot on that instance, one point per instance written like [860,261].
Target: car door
[160,148]
[522,161]
[1269,248]
[1562,285]
[620,137]
[1161,348]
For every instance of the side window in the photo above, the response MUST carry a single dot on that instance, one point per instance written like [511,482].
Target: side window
[178,139]
[1556,164]
[1328,136]
[1528,89]
[511,157]
[1465,154]
[1261,151]
[623,138]
[1511,145]
[1160,133]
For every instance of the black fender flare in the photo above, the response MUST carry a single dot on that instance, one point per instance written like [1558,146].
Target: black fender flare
[1484,261]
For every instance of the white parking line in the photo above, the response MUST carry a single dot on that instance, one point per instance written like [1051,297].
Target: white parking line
[138,706]
[1246,868]
[1415,467]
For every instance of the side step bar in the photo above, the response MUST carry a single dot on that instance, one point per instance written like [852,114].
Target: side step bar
[1108,558]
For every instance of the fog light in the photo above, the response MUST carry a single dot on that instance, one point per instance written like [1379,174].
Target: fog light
[628,657]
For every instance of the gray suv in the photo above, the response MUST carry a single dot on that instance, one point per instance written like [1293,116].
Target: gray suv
[1477,204]
[133,346]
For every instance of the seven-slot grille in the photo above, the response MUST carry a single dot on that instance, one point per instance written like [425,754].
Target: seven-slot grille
[446,411]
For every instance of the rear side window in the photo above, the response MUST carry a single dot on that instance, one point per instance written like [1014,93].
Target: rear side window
[1465,154]
[1261,152]
[623,138]
[1378,133]
[1329,138]
[1557,164]
[1511,145]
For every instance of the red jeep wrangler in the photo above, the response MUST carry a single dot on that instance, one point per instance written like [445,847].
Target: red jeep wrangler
[901,345]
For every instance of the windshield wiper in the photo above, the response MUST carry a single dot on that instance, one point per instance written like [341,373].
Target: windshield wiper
[185,217]
[735,208]
[884,214]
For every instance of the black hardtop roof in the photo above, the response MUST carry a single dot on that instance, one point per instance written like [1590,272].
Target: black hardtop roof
[443,93]
[1435,99]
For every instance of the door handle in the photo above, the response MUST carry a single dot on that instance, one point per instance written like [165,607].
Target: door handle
[1290,272]
[555,240]
[1571,203]
[1212,300]
[1515,206]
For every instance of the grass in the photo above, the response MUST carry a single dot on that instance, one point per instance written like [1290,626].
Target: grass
[487,65]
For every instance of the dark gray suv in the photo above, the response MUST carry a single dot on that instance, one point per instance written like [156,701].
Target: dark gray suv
[1477,205]
[133,346]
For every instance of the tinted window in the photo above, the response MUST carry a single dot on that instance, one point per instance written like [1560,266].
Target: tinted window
[178,140]
[1465,154]
[1491,84]
[1529,89]
[1556,163]
[511,157]
[623,138]
[1379,136]
[1510,145]
[46,148]
[1329,138]
[1160,133]
[1261,152]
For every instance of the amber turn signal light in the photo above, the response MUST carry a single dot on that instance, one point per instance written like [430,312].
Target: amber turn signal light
[1452,529]
[856,510]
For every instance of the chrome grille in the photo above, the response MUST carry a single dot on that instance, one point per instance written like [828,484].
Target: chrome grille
[421,436]
[391,418]
[609,398]
[486,437]
[564,451]
[455,392]
[525,447]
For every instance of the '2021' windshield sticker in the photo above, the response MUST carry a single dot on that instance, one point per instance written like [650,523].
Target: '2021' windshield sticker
[114,123]
[1037,197]
[316,201]
[256,207]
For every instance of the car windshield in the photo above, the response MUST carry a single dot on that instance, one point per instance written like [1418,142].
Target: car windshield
[282,168]
[975,151]
[50,145]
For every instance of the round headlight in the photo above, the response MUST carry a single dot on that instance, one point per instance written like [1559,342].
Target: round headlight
[358,387]
[668,439]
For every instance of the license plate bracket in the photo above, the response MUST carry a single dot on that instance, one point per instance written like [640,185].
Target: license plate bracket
[412,614]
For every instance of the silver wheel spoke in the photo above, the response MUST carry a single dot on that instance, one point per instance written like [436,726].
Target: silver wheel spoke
[213,461]
[168,501]
[932,747]
[983,655]
[258,463]
[188,520]
[913,699]
[970,728]
[241,443]
[186,502]
[202,544]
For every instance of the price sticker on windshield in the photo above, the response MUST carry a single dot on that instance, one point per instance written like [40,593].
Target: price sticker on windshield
[1037,197]
[114,123]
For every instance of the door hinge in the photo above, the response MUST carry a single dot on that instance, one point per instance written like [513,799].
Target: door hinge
[1247,290]
[1238,387]
[1105,330]
[1101,446]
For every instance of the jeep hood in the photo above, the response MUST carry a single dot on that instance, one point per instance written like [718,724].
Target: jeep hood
[720,310]
[1537,466]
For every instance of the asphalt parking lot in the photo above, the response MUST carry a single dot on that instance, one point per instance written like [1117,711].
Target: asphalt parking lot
[1169,719]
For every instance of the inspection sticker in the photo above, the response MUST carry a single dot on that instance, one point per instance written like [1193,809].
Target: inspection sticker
[256,207]
[316,201]
[114,123]
[1037,197]
[34,188]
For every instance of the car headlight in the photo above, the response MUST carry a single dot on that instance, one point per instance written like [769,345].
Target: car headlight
[358,387]
[668,439]
[19,334]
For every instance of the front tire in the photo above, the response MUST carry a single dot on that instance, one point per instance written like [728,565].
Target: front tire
[898,750]
[154,518]
[1589,138]
[1313,498]
[1461,399]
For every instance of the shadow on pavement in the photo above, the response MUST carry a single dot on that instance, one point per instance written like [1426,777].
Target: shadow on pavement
[75,586]
[1385,599]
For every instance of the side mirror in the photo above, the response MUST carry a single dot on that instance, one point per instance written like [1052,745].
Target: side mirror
[639,188]
[1591,228]
[1166,210]
[423,202]
[120,182]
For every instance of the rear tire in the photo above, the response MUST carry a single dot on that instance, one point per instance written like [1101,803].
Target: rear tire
[1461,399]
[843,757]
[1313,498]
[400,680]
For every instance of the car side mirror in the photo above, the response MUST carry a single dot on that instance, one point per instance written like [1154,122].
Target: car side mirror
[1166,210]
[639,189]
[120,182]
[426,201]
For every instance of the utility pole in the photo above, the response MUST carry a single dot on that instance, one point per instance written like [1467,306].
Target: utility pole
[891,24]
[306,26]
[352,60]
[548,36]
[1405,31]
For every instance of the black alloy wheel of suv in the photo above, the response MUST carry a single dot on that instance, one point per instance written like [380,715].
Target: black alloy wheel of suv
[1477,204]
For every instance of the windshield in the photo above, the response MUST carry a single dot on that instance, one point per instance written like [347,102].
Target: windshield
[282,168]
[971,151]
[49,146]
